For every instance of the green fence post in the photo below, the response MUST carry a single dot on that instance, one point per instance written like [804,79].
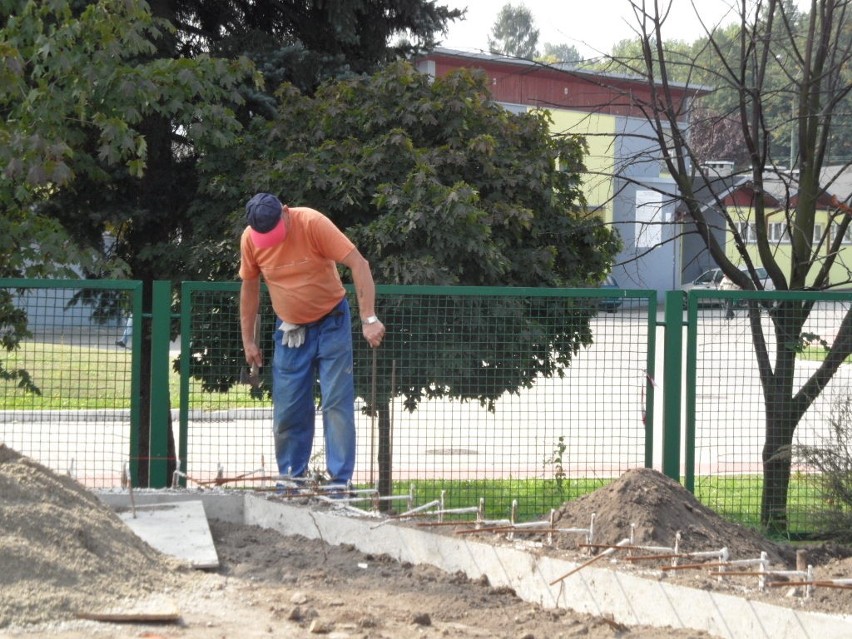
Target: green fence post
[186,291]
[649,379]
[160,405]
[673,358]
[135,383]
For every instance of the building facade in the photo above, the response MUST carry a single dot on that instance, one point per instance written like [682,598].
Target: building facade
[625,181]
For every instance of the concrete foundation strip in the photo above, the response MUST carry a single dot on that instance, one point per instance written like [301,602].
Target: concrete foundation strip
[623,597]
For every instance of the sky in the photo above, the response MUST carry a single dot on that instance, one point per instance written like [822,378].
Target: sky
[592,26]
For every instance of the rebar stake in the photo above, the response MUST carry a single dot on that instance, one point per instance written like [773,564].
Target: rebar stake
[130,491]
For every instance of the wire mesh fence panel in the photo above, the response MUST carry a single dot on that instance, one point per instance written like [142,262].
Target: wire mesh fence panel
[529,395]
[66,384]
[509,396]
[743,424]
[226,424]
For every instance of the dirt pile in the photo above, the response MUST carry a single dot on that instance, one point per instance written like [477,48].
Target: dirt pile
[659,508]
[62,552]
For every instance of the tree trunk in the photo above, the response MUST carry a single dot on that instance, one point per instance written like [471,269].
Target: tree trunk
[776,484]
[155,201]
[782,413]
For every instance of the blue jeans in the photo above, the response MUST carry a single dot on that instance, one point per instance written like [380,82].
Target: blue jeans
[327,353]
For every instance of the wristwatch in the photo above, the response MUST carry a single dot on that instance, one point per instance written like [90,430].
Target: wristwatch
[370,320]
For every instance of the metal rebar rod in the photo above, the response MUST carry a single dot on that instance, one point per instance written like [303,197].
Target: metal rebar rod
[486,529]
[130,491]
[432,513]
[815,584]
[747,573]
[628,547]
[609,551]
[244,477]
[680,555]
[418,509]
[373,415]
[657,557]
[455,511]
[513,528]
[494,522]
[528,531]
[715,564]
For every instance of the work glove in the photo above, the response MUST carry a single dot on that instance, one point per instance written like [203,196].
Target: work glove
[293,334]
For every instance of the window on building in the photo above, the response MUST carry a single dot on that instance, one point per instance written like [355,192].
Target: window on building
[779,232]
[649,218]
[847,236]
[746,231]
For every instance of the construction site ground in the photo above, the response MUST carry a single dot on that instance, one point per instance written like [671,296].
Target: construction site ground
[304,567]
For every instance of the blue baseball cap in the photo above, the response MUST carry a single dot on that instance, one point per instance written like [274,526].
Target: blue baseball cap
[264,215]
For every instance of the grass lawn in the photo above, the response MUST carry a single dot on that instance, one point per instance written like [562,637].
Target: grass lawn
[816,353]
[736,498]
[83,377]
[534,496]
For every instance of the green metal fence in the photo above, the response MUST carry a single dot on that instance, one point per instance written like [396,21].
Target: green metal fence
[726,422]
[77,415]
[462,398]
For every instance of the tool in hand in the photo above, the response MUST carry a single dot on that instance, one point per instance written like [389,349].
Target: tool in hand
[253,376]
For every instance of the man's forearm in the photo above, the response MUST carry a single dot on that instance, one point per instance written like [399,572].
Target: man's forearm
[249,306]
[365,290]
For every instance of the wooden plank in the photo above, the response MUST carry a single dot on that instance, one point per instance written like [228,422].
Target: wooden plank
[131,617]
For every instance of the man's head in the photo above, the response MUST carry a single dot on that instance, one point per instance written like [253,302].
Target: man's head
[264,215]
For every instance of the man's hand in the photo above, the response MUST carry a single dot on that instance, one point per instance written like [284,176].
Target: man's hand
[254,357]
[374,333]
[294,334]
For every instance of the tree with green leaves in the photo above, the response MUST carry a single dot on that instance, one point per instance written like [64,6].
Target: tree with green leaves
[304,42]
[514,33]
[75,91]
[109,105]
[772,59]
[80,87]
[436,184]
[560,54]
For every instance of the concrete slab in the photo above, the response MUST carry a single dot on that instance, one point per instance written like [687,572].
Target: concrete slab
[178,529]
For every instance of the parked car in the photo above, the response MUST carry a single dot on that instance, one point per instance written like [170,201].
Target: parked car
[707,281]
[728,285]
[610,304]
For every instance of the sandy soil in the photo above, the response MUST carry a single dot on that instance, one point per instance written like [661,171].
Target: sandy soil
[63,553]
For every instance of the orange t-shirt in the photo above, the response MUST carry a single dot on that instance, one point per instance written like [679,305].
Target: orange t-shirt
[300,272]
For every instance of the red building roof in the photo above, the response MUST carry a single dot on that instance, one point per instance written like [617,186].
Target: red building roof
[745,195]
[524,82]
